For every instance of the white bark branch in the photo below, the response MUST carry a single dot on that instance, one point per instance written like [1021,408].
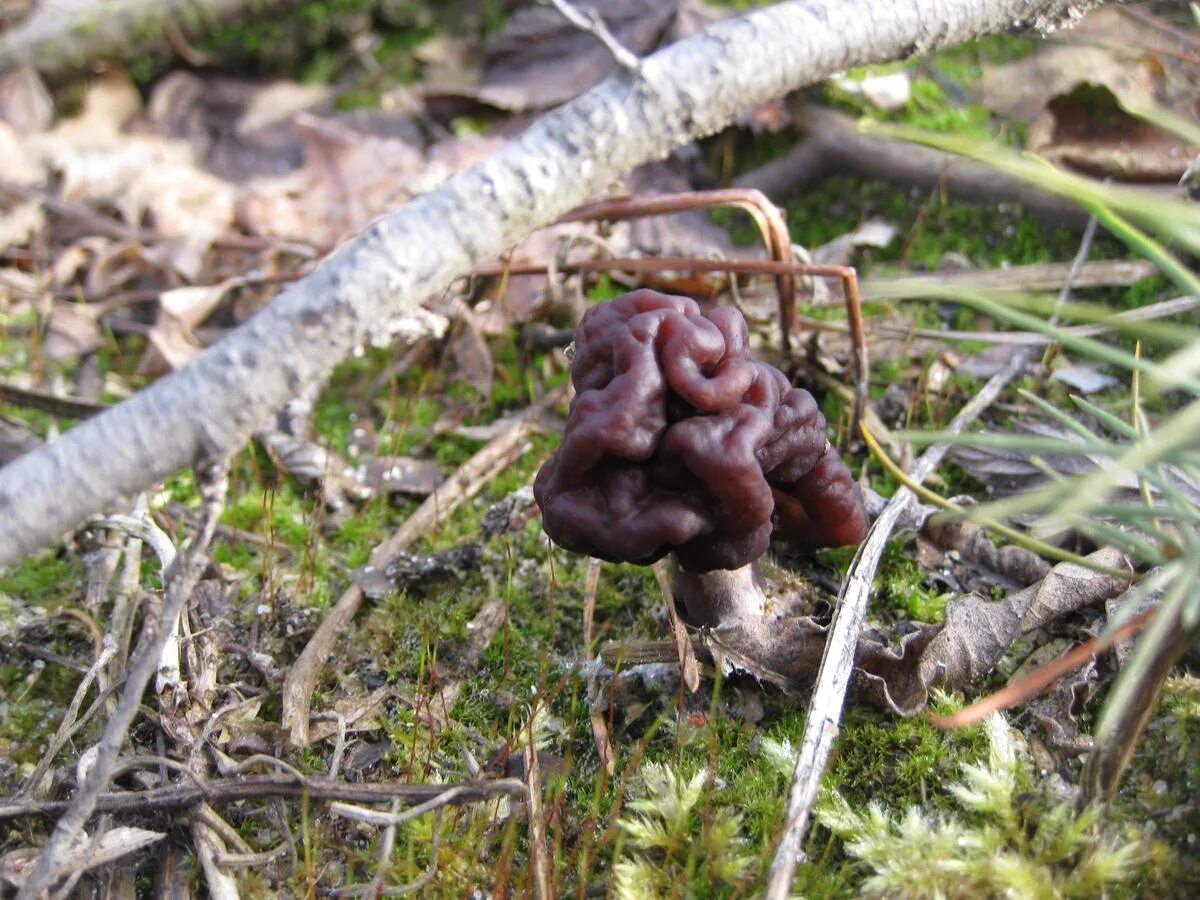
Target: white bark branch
[67,37]
[688,90]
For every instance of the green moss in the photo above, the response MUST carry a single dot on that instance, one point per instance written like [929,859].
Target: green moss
[900,585]
[43,580]
[907,761]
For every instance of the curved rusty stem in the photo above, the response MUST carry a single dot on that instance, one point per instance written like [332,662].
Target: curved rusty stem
[766,215]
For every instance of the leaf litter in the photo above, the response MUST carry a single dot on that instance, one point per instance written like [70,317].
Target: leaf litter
[215,177]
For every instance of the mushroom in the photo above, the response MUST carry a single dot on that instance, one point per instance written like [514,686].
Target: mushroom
[677,442]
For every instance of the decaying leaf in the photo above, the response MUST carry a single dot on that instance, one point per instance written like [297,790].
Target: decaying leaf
[240,128]
[21,224]
[539,59]
[406,571]
[291,440]
[1082,97]
[25,104]
[72,330]
[1085,378]
[1006,471]
[180,310]
[1009,565]
[350,176]
[977,631]
[143,176]
[17,865]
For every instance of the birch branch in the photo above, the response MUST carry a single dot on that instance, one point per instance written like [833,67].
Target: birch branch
[67,37]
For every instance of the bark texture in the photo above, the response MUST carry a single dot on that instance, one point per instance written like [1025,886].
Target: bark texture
[688,90]
[67,37]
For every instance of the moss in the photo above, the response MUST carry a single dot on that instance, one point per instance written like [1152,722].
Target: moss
[43,580]
[907,761]
[901,585]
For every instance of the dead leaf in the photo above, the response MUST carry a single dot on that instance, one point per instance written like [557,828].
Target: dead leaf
[1081,97]
[180,310]
[402,475]
[73,330]
[21,224]
[1009,565]
[1006,471]
[349,177]
[407,571]
[116,843]
[977,631]
[240,128]
[473,361]
[1084,377]
[141,175]
[22,165]
[25,104]
[539,59]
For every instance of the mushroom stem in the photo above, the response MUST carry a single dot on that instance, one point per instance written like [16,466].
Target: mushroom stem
[718,597]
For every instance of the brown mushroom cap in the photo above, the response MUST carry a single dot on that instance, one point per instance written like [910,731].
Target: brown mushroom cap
[677,440]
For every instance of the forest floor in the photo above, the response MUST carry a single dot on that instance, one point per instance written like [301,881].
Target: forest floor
[532,696]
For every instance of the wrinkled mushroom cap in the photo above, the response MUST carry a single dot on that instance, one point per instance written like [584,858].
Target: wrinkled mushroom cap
[677,440]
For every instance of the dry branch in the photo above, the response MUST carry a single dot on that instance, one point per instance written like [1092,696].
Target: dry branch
[837,662]
[471,477]
[217,792]
[688,90]
[68,37]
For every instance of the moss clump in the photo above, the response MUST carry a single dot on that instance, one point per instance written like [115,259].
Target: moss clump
[1003,838]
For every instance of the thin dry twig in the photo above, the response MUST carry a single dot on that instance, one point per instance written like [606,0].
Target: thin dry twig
[184,575]
[837,662]
[68,726]
[539,861]
[219,791]
[689,669]
[143,527]
[464,484]
[591,22]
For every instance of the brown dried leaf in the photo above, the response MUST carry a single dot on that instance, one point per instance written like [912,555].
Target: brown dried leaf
[72,330]
[1006,471]
[1011,565]
[786,651]
[402,475]
[977,631]
[539,59]
[172,343]
[349,177]
[1078,97]
[21,224]
[240,128]
[21,163]
[472,355]
[138,174]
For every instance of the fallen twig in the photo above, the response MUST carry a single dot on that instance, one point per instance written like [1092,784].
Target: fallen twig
[837,662]
[476,472]
[69,725]
[219,791]
[184,575]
